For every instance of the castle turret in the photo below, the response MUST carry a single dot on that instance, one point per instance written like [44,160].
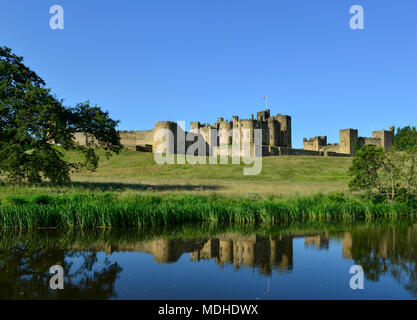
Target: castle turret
[161,136]
[273,127]
[246,129]
[225,133]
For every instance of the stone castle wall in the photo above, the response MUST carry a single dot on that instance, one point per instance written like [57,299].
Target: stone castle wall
[132,139]
[275,131]
[349,141]
[315,144]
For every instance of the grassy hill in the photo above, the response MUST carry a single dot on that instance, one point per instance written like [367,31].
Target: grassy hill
[132,190]
[137,172]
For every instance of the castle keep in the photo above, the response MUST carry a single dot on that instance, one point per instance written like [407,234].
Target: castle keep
[275,132]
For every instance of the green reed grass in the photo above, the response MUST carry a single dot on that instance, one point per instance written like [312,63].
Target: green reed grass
[112,210]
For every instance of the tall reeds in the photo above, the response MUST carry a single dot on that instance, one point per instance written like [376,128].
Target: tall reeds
[110,210]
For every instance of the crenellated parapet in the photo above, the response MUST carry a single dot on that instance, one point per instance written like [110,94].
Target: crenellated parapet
[276,132]
[316,144]
[350,141]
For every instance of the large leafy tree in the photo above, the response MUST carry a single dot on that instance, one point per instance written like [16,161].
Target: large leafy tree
[406,138]
[391,174]
[33,121]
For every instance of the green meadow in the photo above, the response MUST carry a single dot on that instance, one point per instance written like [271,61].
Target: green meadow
[130,189]
[136,172]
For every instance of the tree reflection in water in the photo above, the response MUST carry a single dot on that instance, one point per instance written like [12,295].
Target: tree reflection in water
[382,250]
[26,256]
[24,274]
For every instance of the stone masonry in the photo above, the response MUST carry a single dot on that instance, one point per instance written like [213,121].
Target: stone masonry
[349,141]
[275,131]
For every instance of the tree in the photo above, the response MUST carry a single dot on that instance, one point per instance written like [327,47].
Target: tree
[391,174]
[33,121]
[405,138]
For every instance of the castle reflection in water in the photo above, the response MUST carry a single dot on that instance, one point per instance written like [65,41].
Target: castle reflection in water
[263,253]
[267,254]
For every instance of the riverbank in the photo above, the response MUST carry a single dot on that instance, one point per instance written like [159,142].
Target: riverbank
[114,210]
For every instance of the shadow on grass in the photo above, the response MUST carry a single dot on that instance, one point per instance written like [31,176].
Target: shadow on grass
[108,186]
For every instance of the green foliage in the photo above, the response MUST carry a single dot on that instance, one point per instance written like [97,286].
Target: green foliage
[365,166]
[337,196]
[92,210]
[391,174]
[42,199]
[32,119]
[405,138]
[17,200]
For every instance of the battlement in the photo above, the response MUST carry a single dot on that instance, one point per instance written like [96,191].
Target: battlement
[263,115]
[121,132]
[275,130]
[316,144]
[349,141]
[162,124]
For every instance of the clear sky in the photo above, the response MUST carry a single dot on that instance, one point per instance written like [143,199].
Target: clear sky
[197,60]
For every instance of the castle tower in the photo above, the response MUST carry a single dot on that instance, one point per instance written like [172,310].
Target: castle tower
[285,130]
[348,139]
[195,127]
[387,137]
[225,133]
[171,141]
[274,132]
[246,131]
[236,130]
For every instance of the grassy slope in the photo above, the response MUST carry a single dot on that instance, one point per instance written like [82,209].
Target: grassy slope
[137,172]
[144,193]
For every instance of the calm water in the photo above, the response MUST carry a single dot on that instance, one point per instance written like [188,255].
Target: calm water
[212,262]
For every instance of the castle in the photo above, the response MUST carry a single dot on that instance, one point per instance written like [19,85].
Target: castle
[349,140]
[275,132]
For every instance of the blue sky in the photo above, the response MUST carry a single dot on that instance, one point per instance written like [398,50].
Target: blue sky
[192,60]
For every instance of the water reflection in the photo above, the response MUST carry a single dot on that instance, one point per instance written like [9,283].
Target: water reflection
[385,250]
[91,271]
[262,253]
[24,274]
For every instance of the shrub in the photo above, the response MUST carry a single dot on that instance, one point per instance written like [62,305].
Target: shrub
[17,200]
[336,196]
[42,199]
